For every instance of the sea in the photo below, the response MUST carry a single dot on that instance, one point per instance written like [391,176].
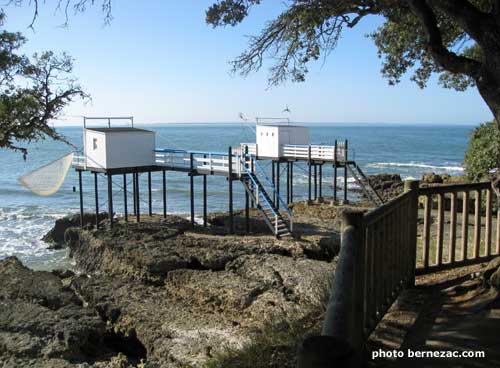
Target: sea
[409,150]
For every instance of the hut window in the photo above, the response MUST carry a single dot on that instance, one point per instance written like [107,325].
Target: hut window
[94,143]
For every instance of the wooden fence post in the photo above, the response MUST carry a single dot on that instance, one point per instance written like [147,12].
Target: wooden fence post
[412,185]
[342,340]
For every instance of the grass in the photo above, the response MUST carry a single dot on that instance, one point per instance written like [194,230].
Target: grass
[274,346]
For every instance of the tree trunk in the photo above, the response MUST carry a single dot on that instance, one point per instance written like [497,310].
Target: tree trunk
[490,92]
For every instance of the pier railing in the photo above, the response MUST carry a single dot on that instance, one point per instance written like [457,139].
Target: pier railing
[383,250]
[202,161]
[458,226]
[314,152]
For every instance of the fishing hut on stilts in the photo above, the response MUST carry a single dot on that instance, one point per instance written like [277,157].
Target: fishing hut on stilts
[121,152]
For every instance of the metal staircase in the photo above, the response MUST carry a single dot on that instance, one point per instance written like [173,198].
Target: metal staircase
[279,222]
[364,183]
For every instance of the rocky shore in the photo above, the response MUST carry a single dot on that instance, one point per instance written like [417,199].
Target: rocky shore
[160,294]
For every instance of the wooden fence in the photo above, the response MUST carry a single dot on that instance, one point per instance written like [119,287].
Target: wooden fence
[383,250]
[448,237]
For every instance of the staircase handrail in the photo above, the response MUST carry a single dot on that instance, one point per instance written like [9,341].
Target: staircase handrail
[368,181]
[280,199]
[251,176]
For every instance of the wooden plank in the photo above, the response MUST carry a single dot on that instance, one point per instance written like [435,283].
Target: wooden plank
[458,263]
[477,224]
[497,250]
[453,228]
[487,237]
[440,230]
[465,225]
[380,252]
[372,269]
[388,260]
[427,230]
[383,210]
[455,188]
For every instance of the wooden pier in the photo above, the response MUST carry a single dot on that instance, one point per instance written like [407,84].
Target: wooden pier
[105,152]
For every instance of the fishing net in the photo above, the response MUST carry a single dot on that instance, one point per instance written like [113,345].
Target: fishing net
[47,179]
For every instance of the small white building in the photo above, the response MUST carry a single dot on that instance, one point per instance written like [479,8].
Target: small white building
[271,138]
[111,148]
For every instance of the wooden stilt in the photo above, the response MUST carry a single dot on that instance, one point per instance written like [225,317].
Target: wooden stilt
[252,168]
[273,178]
[345,171]
[315,181]
[205,222]
[125,207]
[321,180]
[134,192]
[137,199]
[291,182]
[164,194]
[309,175]
[288,182]
[335,172]
[345,182]
[96,193]
[230,178]
[205,198]
[110,200]
[247,213]
[80,188]
[191,187]
[277,202]
[150,197]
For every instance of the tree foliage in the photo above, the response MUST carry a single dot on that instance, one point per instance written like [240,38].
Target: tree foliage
[483,151]
[458,39]
[32,92]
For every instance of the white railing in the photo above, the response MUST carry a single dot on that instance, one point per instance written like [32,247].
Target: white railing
[318,152]
[301,151]
[252,148]
[209,161]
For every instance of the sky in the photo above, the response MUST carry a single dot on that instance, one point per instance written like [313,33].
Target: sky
[159,62]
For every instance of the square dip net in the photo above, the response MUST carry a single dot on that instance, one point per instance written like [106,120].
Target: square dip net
[47,180]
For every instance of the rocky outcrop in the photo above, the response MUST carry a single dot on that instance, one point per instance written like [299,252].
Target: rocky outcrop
[387,185]
[433,178]
[43,323]
[55,237]
[176,297]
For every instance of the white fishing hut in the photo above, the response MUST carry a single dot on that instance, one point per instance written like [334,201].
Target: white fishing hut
[117,147]
[271,139]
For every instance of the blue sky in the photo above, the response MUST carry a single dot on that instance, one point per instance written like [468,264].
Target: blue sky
[160,62]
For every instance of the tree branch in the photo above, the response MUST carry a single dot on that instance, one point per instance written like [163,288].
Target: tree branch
[445,58]
[466,14]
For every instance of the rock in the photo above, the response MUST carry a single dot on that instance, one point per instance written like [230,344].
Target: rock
[44,324]
[148,257]
[199,313]
[55,237]
[431,178]
[257,224]
[186,296]
[387,185]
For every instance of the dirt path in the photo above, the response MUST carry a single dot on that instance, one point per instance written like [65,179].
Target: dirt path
[444,312]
